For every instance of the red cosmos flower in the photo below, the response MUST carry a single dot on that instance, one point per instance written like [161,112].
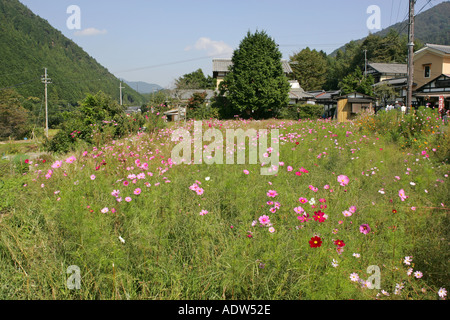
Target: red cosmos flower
[315,242]
[394,211]
[26,161]
[318,216]
[339,243]
[296,142]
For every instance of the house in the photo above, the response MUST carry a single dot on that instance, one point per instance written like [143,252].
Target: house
[298,95]
[430,62]
[349,105]
[328,100]
[134,109]
[435,93]
[183,95]
[221,67]
[383,71]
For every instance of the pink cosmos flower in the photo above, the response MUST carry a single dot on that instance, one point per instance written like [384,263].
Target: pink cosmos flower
[57,164]
[343,180]
[264,220]
[199,191]
[271,229]
[137,191]
[352,209]
[125,183]
[128,199]
[272,193]
[273,209]
[203,212]
[346,213]
[402,195]
[71,159]
[364,228]
[299,210]
[105,210]
[246,172]
[289,168]
[93,177]
[303,200]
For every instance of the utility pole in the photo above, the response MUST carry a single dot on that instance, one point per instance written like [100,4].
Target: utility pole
[410,56]
[46,81]
[120,87]
[365,62]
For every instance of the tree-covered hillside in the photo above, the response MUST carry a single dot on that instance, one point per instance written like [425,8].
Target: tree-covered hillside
[430,26]
[29,43]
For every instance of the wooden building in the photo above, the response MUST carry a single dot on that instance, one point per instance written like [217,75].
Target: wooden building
[349,105]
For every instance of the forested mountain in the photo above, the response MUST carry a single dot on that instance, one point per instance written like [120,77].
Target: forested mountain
[430,26]
[144,87]
[29,43]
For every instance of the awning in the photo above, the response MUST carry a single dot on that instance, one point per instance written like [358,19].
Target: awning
[432,95]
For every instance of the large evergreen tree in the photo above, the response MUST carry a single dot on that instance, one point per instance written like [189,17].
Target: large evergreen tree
[256,85]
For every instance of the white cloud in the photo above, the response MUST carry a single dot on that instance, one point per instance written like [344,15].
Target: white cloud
[89,32]
[212,47]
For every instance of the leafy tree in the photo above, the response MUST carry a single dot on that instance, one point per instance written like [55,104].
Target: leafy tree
[256,85]
[356,82]
[310,68]
[13,116]
[341,65]
[195,80]
[99,107]
[384,92]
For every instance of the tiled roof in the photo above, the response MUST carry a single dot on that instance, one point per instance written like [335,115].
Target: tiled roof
[389,67]
[221,65]
[439,47]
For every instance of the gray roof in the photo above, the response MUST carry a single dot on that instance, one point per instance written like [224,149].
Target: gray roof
[396,68]
[439,47]
[222,65]
[295,93]
[187,93]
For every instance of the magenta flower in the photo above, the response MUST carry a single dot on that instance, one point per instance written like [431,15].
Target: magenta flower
[272,193]
[264,220]
[304,218]
[364,228]
[343,180]
[303,200]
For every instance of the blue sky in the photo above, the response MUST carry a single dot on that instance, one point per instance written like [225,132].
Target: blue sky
[157,41]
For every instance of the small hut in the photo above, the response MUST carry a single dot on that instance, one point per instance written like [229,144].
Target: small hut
[349,105]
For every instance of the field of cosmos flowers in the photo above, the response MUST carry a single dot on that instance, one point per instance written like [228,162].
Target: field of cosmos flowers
[349,214]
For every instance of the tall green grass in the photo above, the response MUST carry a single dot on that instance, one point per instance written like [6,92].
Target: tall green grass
[172,252]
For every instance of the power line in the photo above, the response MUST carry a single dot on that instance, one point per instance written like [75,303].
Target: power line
[19,84]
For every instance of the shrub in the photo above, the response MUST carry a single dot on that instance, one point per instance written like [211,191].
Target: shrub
[301,111]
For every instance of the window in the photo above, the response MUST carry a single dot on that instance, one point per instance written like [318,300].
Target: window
[427,71]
